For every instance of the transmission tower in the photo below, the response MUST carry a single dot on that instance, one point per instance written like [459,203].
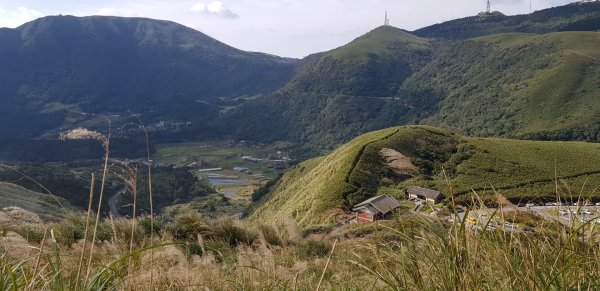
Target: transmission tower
[387,20]
[488,10]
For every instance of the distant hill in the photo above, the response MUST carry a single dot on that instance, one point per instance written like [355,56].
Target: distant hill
[44,205]
[391,160]
[56,67]
[573,17]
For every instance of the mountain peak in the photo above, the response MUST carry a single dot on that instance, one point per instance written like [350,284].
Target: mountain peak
[380,41]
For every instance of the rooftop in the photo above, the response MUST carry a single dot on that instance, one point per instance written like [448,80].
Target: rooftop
[420,191]
[378,204]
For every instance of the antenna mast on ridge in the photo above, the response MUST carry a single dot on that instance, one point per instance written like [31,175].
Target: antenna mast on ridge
[387,20]
[488,10]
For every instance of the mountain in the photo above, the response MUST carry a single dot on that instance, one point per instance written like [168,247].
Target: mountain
[338,93]
[391,160]
[480,76]
[374,64]
[492,85]
[576,16]
[57,68]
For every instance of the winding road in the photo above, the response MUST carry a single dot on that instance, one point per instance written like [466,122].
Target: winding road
[112,202]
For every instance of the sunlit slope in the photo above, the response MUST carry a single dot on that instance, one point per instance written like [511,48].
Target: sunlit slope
[517,85]
[313,191]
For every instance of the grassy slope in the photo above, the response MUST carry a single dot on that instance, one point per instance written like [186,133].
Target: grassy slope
[46,206]
[519,85]
[309,192]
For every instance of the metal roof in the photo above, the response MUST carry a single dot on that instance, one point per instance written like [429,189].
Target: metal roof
[420,191]
[378,204]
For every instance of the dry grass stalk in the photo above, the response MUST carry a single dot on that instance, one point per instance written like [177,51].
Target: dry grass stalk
[149,161]
[85,233]
[327,264]
[37,261]
[81,134]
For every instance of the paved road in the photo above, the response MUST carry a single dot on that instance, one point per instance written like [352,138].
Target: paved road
[112,201]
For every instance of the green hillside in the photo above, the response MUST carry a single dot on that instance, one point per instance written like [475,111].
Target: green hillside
[520,170]
[48,207]
[507,85]
[374,64]
[516,85]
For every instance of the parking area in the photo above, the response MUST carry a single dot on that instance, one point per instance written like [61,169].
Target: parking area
[568,215]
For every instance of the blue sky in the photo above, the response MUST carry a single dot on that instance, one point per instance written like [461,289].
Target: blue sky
[291,28]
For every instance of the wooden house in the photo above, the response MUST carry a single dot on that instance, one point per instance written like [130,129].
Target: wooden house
[431,196]
[376,208]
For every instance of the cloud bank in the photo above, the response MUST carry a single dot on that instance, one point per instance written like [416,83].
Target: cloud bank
[215,8]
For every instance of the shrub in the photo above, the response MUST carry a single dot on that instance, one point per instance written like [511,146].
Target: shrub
[313,248]
[233,234]
[187,226]
[270,235]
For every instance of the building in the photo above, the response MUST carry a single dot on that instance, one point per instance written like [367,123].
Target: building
[431,196]
[376,208]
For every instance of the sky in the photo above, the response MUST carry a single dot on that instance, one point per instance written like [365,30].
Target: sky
[289,28]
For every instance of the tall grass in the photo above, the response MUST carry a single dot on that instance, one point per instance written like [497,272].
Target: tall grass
[414,252]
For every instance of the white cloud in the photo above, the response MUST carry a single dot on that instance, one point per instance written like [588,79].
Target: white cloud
[107,11]
[214,8]
[18,16]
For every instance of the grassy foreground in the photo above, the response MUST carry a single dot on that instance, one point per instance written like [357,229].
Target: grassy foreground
[191,253]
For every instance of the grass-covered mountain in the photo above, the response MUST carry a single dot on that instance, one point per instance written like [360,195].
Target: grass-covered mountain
[391,160]
[516,85]
[373,65]
[55,67]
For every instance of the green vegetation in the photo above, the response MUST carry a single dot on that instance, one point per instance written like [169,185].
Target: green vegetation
[68,181]
[170,186]
[314,191]
[517,85]
[513,85]
[374,64]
